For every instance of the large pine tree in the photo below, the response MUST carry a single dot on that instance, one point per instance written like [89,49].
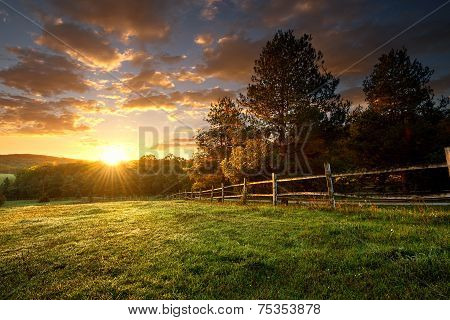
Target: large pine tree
[290,88]
[403,122]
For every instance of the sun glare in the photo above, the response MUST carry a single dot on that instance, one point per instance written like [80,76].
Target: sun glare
[113,155]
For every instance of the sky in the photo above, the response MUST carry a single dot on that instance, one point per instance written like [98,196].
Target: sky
[81,78]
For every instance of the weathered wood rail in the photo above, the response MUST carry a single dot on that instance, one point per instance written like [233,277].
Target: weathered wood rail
[331,197]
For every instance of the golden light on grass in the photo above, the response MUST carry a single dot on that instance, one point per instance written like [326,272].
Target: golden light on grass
[113,155]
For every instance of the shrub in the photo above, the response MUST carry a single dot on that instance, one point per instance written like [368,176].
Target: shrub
[2,199]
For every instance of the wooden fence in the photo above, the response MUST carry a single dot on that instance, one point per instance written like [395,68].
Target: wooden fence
[241,192]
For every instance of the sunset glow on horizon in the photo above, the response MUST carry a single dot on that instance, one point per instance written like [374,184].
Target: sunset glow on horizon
[113,155]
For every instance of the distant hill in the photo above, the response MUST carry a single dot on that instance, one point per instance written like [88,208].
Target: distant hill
[11,163]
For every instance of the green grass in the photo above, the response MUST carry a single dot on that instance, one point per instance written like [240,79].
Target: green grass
[193,250]
[21,203]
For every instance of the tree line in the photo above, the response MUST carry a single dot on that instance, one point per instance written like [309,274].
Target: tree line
[96,179]
[290,121]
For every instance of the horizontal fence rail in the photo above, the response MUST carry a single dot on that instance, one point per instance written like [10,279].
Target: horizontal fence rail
[330,196]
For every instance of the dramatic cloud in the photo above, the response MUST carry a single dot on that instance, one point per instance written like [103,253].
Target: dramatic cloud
[169,102]
[348,31]
[141,58]
[126,37]
[149,79]
[185,75]
[42,74]
[86,106]
[144,19]
[19,114]
[82,44]
[205,39]
[232,59]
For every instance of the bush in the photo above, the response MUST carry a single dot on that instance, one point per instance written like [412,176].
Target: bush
[44,199]
[2,199]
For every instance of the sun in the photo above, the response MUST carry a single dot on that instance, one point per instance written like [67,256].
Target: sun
[113,155]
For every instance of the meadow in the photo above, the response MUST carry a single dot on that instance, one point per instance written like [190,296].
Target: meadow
[199,250]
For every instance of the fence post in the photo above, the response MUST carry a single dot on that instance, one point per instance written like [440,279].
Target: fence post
[244,192]
[330,188]
[192,194]
[447,156]
[212,193]
[223,193]
[200,194]
[274,189]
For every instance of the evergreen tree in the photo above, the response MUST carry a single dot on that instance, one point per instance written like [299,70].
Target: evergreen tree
[290,88]
[403,122]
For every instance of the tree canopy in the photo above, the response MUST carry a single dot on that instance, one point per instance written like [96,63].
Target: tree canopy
[403,122]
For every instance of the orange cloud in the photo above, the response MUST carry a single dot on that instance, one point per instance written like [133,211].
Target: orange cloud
[148,79]
[200,98]
[82,44]
[42,74]
[144,19]
[24,115]
[205,39]
[232,59]
[169,102]
[87,106]
[185,75]
[140,58]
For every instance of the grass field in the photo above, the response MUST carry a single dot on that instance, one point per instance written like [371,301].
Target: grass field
[193,250]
